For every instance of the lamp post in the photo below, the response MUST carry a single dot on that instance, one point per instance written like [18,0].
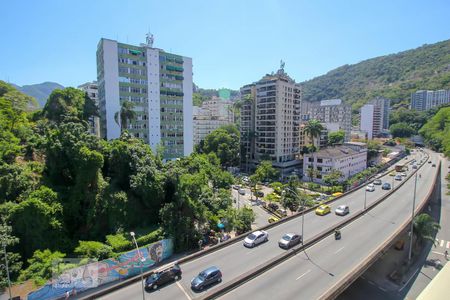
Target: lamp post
[303,212]
[7,270]
[412,220]
[142,259]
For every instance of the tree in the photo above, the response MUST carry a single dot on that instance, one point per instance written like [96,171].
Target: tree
[224,142]
[266,172]
[311,172]
[401,130]
[41,266]
[125,115]
[313,128]
[333,178]
[69,103]
[290,198]
[373,149]
[436,131]
[14,263]
[93,249]
[244,219]
[335,138]
[425,227]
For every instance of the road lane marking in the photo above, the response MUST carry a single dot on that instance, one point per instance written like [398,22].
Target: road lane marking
[303,275]
[339,250]
[184,292]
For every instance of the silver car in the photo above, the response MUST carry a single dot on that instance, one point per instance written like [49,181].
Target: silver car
[256,238]
[289,239]
[342,210]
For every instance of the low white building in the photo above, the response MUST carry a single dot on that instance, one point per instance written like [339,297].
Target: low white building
[349,159]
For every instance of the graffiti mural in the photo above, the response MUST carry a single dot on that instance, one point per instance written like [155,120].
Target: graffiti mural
[109,270]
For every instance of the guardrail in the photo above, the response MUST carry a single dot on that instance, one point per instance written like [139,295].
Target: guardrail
[350,277]
[236,239]
[236,282]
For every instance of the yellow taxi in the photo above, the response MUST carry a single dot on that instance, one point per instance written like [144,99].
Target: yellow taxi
[273,219]
[392,173]
[323,210]
[337,194]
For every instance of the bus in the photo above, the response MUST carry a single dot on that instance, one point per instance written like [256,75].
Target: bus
[401,167]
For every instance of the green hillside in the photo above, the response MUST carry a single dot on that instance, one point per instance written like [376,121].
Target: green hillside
[394,76]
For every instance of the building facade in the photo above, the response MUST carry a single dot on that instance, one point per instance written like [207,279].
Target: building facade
[425,100]
[91,88]
[349,159]
[270,119]
[334,114]
[375,117]
[211,115]
[158,83]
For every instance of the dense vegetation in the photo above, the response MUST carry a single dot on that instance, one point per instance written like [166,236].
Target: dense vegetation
[393,76]
[64,191]
[436,131]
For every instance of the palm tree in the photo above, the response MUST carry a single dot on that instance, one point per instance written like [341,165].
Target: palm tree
[425,227]
[310,172]
[313,128]
[125,115]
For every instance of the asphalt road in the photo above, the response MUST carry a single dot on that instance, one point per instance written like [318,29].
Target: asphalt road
[235,259]
[309,274]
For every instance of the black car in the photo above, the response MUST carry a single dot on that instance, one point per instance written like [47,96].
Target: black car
[205,278]
[160,278]
[259,194]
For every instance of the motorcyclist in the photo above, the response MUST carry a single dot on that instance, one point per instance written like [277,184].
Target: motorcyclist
[337,234]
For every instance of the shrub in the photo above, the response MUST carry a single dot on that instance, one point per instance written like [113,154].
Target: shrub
[151,237]
[93,249]
[119,242]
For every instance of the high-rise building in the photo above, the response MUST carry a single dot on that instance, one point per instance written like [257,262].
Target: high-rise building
[334,114]
[375,117]
[158,83]
[211,115]
[270,119]
[91,88]
[424,100]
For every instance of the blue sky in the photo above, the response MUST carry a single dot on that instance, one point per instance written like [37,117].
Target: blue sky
[232,43]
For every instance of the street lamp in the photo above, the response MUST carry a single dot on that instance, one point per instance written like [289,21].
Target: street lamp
[412,220]
[7,269]
[142,259]
[303,211]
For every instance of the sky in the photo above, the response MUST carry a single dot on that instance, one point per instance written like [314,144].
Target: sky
[232,43]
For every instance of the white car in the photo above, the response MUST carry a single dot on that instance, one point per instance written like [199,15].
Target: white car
[403,174]
[370,187]
[342,210]
[241,191]
[256,238]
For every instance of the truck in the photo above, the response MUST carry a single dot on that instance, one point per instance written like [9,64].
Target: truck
[400,167]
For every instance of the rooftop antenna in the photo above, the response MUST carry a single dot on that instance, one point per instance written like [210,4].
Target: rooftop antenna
[282,63]
[149,39]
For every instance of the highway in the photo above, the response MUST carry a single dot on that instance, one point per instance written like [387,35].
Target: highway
[309,274]
[235,259]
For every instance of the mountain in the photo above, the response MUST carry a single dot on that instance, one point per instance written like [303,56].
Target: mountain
[40,91]
[394,76]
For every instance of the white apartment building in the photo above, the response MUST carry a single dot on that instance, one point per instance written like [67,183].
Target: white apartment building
[424,100]
[270,120]
[158,83]
[211,115]
[334,114]
[349,159]
[91,88]
[375,117]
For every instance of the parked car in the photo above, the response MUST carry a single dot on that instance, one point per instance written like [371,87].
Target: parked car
[282,212]
[157,279]
[236,187]
[289,239]
[205,278]
[342,210]
[414,167]
[433,165]
[242,191]
[398,177]
[386,186]
[377,182]
[429,161]
[259,194]
[392,173]
[370,187]
[273,206]
[273,220]
[403,174]
[323,210]
[256,238]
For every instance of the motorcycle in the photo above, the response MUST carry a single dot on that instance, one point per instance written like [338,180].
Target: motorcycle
[337,235]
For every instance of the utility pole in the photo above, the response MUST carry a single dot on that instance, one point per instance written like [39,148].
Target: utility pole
[7,270]
[412,220]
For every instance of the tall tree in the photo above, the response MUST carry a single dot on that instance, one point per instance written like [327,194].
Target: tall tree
[425,227]
[14,263]
[125,115]
[224,142]
[313,128]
